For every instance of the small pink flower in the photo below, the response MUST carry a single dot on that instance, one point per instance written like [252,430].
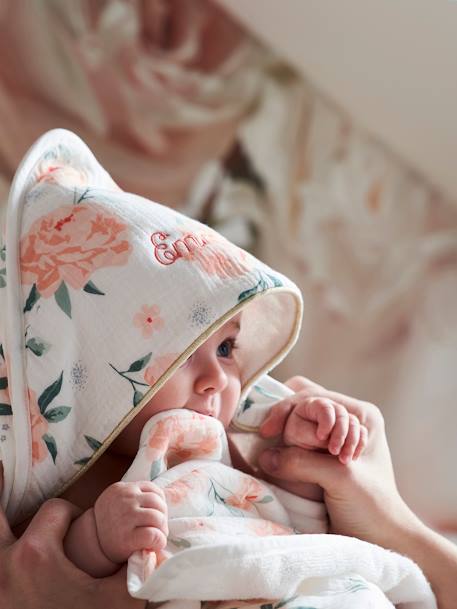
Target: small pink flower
[148,320]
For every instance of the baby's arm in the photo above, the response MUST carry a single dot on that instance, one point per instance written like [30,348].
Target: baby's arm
[321,424]
[128,516]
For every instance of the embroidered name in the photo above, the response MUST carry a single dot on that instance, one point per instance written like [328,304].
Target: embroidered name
[167,252]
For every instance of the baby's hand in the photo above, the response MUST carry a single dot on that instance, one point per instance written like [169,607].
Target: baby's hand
[131,516]
[317,423]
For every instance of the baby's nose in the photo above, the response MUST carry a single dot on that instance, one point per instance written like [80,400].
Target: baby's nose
[211,380]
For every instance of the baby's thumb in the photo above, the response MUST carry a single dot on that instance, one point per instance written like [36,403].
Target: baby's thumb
[301,465]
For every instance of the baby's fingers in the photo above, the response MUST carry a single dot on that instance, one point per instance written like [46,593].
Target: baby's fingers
[352,440]
[340,430]
[363,442]
[148,538]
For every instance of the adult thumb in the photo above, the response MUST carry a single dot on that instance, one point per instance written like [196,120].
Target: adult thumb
[6,535]
[296,464]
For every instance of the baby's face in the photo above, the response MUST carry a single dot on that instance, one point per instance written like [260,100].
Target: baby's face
[208,382]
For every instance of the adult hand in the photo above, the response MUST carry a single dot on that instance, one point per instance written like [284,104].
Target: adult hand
[35,573]
[361,496]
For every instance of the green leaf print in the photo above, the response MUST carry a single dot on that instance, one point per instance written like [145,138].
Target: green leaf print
[82,461]
[38,346]
[179,542]
[248,293]
[137,397]
[2,282]
[57,414]
[52,446]
[155,469]
[246,404]
[3,253]
[1,351]
[62,298]
[93,443]
[32,299]
[91,288]
[94,446]
[266,499]
[277,283]
[50,393]
[265,281]
[139,364]
[3,382]
[5,409]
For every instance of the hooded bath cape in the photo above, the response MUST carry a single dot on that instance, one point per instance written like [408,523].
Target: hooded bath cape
[106,294]
[103,295]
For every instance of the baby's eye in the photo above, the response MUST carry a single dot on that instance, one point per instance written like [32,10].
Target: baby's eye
[226,348]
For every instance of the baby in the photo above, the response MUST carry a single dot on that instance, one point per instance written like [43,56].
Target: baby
[132,516]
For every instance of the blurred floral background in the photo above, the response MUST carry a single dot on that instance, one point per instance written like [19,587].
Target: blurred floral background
[184,106]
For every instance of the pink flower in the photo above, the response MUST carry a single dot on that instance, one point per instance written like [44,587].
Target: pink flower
[251,491]
[191,483]
[158,367]
[39,427]
[178,441]
[148,320]
[69,244]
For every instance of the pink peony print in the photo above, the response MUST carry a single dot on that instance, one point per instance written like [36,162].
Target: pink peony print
[70,244]
[176,440]
[39,427]
[158,367]
[148,320]
[191,483]
[250,492]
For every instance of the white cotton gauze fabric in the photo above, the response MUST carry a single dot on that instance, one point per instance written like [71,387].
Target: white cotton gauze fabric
[105,294]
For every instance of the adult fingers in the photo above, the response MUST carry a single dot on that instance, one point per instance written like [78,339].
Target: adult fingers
[300,383]
[276,419]
[50,524]
[6,534]
[112,592]
[299,465]
[363,442]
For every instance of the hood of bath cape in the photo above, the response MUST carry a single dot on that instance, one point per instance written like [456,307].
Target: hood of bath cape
[106,294]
